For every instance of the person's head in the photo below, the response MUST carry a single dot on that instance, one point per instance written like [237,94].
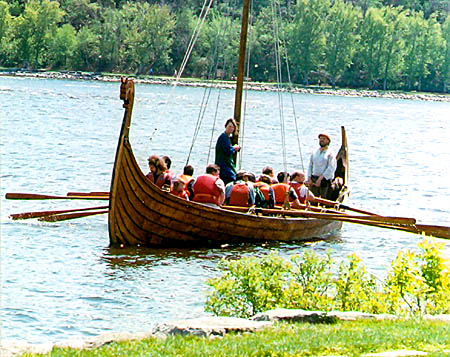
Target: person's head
[156,164]
[283,177]
[298,176]
[178,186]
[324,140]
[241,175]
[251,177]
[213,169]
[265,178]
[230,126]
[188,170]
[167,161]
[268,171]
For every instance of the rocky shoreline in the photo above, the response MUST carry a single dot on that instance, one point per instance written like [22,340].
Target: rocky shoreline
[74,75]
[213,327]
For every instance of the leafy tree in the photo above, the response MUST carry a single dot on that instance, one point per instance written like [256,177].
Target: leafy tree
[422,40]
[35,27]
[392,55]
[341,38]
[306,36]
[86,49]
[80,13]
[372,42]
[62,46]
[148,37]
[446,62]
[111,30]
[5,23]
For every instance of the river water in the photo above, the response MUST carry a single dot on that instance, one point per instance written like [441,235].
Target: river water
[61,281]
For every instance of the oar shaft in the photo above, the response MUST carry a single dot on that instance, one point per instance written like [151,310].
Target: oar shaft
[64,217]
[34,196]
[333,204]
[93,193]
[27,215]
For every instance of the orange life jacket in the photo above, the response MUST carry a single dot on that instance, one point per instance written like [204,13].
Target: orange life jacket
[297,187]
[239,195]
[205,189]
[279,190]
[161,180]
[182,194]
[186,179]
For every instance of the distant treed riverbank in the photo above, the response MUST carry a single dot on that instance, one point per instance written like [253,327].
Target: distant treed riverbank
[192,82]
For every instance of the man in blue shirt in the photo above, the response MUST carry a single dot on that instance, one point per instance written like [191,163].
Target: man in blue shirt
[225,152]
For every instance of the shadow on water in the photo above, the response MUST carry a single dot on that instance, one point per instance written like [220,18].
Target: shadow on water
[135,257]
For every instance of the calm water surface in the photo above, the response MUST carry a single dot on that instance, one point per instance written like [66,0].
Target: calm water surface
[61,281]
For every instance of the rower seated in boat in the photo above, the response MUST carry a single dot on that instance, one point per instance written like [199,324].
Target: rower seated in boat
[158,174]
[209,187]
[284,194]
[188,178]
[240,192]
[179,190]
[266,196]
[268,170]
[298,184]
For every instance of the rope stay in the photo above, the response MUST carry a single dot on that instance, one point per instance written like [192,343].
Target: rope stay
[192,41]
[279,80]
[284,46]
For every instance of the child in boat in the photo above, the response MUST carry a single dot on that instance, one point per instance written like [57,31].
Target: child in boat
[282,189]
[178,189]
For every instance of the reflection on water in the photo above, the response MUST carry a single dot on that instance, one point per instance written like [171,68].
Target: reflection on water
[62,280]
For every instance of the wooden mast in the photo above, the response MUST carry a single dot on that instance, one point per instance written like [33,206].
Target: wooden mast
[240,71]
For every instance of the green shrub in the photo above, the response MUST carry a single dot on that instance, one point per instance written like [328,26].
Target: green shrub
[417,283]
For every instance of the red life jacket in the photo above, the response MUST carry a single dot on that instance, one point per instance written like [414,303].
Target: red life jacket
[264,188]
[239,195]
[297,187]
[182,194]
[279,190]
[205,189]
[161,180]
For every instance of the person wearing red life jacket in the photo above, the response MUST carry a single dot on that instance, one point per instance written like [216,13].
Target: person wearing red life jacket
[168,164]
[298,184]
[209,187]
[158,174]
[282,189]
[240,192]
[178,190]
[188,178]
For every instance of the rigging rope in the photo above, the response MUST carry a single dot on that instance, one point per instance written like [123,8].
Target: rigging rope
[279,79]
[283,40]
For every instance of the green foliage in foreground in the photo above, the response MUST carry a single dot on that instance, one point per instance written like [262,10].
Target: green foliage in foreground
[298,339]
[417,283]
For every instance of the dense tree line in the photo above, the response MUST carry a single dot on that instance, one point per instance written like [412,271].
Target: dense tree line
[390,44]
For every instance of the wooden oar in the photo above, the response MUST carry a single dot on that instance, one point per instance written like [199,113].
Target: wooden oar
[337,204]
[34,196]
[28,215]
[332,216]
[64,217]
[375,221]
[94,193]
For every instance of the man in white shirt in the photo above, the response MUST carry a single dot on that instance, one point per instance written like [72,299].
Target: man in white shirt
[322,166]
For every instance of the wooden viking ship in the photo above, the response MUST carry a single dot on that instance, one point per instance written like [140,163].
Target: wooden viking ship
[140,213]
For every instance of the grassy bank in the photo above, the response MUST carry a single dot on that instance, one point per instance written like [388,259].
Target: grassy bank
[345,338]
